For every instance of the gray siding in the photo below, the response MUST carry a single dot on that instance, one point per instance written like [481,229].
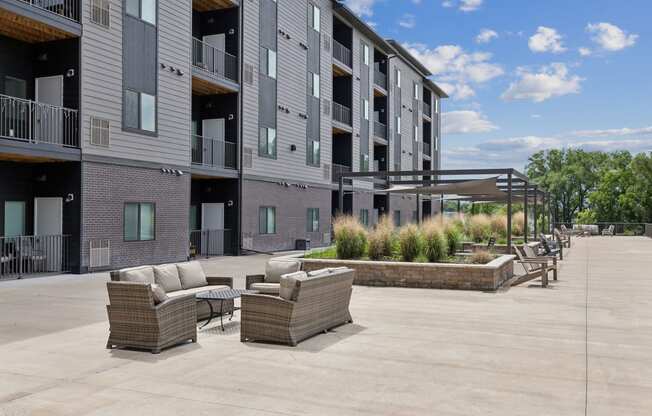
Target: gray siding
[101,78]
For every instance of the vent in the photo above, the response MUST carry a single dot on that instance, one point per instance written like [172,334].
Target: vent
[248,157]
[327,43]
[249,74]
[100,13]
[327,107]
[100,130]
[100,253]
[327,172]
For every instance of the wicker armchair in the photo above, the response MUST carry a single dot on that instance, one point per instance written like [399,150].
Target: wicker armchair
[322,302]
[136,322]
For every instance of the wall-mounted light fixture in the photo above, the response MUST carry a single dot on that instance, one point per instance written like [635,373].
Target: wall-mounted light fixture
[70,73]
[293,148]
[70,198]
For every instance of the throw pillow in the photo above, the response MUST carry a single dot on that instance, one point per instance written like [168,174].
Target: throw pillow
[277,268]
[158,294]
[191,275]
[290,285]
[141,274]
[167,276]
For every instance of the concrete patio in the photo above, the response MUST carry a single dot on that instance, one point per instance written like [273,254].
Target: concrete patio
[409,351]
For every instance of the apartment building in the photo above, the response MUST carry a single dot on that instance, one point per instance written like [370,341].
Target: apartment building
[148,131]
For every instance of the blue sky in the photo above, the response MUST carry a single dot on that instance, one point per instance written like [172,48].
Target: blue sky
[527,75]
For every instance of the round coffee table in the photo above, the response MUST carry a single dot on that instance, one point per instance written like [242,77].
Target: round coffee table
[221,296]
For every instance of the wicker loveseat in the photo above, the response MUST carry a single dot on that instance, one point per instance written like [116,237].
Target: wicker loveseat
[308,304]
[138,318]
[270,282]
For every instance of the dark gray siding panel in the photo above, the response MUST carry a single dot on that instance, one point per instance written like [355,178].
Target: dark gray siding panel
[139,55]
[267,101]
[268,24]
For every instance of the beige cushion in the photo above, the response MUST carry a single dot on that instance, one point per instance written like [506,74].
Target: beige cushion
[191,275]
[158,294]
[266,288]
[141,274]
[277,268]
[167,276]
[196,290]
[290,285]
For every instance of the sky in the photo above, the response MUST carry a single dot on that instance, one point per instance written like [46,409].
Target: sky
[529,75]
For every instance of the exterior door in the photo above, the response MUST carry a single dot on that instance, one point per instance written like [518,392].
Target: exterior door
[47,114]
[213,143]
[214,53]
[47,247]
[212,225]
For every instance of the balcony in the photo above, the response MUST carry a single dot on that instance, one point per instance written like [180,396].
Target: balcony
[338,171]
[208,5]
[210,243]
[35,21]
[427,149]
[37,123]
[342,56]
[34,254]
[214,71]
[426,110]
[380,130]
[380,83]
[213,153]
[341,114]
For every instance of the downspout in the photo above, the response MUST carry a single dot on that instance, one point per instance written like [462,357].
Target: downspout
[241,124]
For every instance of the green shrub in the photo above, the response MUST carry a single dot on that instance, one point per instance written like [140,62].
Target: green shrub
[453,239]
[518,224]
[434,242]
[481,257]
[409,242]
[381,239]
[499,225]
[350,237]
[478,227]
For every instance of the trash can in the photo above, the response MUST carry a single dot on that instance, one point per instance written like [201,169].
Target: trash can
[303,244]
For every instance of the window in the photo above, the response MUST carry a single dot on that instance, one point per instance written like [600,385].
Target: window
[416,133]
[316,18]
[314,153]
[194,217]
[314,88]
[416,91]
[365,109]
[142,9]
[398,78]
[267,220]
[99,132]
[139,221]
[140,111]
[267,142]
[269,65]
[436,143]
[14,218]
[15,87]
[364,162]
[365,54]
[397,218]
[100,12]
[313,220]
[364,217]
[436,106]
[398,124]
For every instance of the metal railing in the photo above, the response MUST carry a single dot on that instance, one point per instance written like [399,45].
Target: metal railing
[217,153]
[207,243]
[65,8]
[36,122]
[25,255]
[427,148]
[426,109]
[380,130]
[338,170]
[342,53]
[215,61]
[620,228]
[380,79]
[341,113]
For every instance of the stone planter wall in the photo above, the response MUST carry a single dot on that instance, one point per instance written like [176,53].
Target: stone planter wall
[424,275]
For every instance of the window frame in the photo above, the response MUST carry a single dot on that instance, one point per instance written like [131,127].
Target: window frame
[139,129]
[398,124]
[416,91]
[266,142]
[316,18]
[364,219]
[315,87]
[140,11]
[23,205]
[398,78]
[310,220]
[313,158]
[365,109]
[124,225]
[365,54]
[267,209]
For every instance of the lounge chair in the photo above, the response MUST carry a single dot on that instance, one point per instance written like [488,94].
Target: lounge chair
[563,240]
[491,244]
[270,282]
[609,230]
[534,266]
[550,247]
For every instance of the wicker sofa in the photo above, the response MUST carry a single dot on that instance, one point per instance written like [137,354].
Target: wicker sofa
[139,319]
[308,304]
[270,282]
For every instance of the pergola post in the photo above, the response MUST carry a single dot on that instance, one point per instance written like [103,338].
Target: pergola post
[536,205]
[418,209]
[459,207]
[441,205]
[341,196]
[509,211]
[526,228]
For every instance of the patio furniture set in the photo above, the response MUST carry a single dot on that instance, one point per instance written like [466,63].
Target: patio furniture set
[540,261]
[155,307]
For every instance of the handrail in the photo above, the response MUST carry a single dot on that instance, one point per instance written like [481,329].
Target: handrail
[427,148]
[380,79]
[341,113]
[207,243]
[342,53]
[338,170]
[64,8]
[426,109]
[380,130]
[37,122]
[32,254]
[211,152]
[214,61]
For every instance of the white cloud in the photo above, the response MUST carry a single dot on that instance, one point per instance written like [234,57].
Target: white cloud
[466,121]
[486,36]
[456,68]
[585,51]
[463,5]
[361,7]
[551,81]
[625,131]
[546,40]
[535,115]
[408,21]
[610,37]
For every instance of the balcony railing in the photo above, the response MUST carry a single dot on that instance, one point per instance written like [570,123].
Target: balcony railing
[380,130]
[341,113]
[427,148]
[65,8]
[426,109]
[342,53]
[214,153]
[214,61]
[380,79]
[207,243]
[35,122]
[25,255]
[339,170]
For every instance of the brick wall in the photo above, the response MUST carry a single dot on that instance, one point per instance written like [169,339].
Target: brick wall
[106,188]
